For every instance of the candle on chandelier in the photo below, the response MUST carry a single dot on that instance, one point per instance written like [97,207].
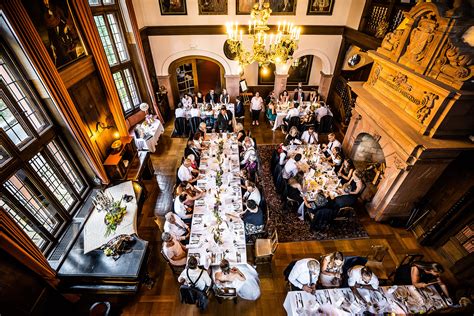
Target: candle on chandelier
[279,24]
[250,26]
[271,39]
[258,40]
[284,26]
[241,35]
[264,39]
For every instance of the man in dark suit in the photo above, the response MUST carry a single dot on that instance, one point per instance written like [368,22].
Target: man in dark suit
[224,120]
[212,97]
[299,95]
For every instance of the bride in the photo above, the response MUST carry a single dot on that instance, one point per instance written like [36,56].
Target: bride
[244,279]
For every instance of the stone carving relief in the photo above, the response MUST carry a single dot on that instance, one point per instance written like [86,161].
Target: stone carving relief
[392,40]
[375,74]
[454,64]
[401,80]
[427,103]
[421,37]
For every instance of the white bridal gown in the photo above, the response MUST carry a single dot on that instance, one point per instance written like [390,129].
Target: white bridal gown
[248,289]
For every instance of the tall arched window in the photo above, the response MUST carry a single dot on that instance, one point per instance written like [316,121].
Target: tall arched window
[41,185]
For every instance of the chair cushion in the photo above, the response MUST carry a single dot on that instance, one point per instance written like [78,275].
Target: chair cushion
[263,247]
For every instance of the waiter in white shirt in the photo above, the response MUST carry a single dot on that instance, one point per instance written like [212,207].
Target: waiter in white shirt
[305,274]
[309,137]
[195,276]
[291,169]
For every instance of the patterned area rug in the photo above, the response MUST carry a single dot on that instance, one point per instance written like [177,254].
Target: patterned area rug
[289,226]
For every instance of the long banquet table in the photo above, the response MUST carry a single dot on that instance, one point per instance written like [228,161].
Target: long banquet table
[217,231]
[401,299]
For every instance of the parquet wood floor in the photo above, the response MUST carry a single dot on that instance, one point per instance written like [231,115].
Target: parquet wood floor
[163,298]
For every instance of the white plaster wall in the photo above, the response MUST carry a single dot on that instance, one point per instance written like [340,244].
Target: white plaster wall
[166,49]
[345,12]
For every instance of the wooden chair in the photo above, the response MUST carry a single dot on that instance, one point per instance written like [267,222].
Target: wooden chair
[344,214]
[175,269]
[266,248]
[375,261]
[100,309]
[408,259]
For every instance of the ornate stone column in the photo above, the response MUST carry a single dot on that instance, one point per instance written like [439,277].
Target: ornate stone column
[166,82]
[324,85]
[232,85]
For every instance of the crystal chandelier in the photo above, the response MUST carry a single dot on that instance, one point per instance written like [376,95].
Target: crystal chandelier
[273,48]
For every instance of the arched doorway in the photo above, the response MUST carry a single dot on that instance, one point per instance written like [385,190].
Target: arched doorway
[191,74]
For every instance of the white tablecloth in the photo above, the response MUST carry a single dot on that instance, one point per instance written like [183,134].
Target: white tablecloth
[154,130]
[204,223]
[404,299]
[95,228]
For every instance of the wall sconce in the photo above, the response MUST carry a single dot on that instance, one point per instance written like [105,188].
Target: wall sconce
[99,127]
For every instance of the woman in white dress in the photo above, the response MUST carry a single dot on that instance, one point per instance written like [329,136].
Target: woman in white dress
[244,279]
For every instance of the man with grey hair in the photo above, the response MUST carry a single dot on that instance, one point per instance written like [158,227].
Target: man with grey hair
[304,275]
[176,227]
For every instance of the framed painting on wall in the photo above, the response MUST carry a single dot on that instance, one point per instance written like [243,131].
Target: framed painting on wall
[212,7]
[55,25]
[320,7]
[299,73]
[279,7]
[173,7]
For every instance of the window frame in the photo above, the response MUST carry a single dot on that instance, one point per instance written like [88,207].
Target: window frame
[120,66]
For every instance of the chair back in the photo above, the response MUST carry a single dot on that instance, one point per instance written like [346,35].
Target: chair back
[194,122]
[294,121]
[99,309]
[325,125]
[377,253]
[180,125]
[227,293]
[274,241]
[174,268]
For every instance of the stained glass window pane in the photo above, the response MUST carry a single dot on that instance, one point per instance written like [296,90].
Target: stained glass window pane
[106,40]
[118,38]
[65,165]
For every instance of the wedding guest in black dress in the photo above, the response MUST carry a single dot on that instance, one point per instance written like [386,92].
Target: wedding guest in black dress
[346,170]
[199,98]
[253,218]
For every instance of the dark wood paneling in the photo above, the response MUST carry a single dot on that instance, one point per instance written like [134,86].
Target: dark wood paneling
[220,29]
[361,39]
[89,98]
[77,71]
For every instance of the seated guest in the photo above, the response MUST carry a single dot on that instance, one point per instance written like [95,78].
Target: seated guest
[313,96]
[244,279]
[180,112]
[309,119]
[241,134]
[284,97]
[202,129]
[192,150]
[282,154]
[345,197]
[225,97]
[292,112]
[253,218]
[244,177]
[323,110]
[209,117]
[421,274]
[199,98]
[270,98]
[356,183]
[252,193]
[248,149]
[188,188]
[292,138]
[183,207]
[271,113]
[298,97]
[335,159]
[212,97]
[239,107]
[346,170]
[184,172]
[198,139]
[361,277]
[295,187]
[224,120]
[173,250]
[187,101]
[309,136]
[331,270]
[195,276]
[251,166]
[333,142]
[291,169]
[319,213]
[195,111]
[176,227]
[304,275]
[194,164]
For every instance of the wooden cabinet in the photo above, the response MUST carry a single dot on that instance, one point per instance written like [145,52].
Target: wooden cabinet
[118,163]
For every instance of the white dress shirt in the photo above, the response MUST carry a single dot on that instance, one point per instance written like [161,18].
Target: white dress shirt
[179,112]
[333,144]
[187,103]
[290,169]
[355,277]
[300,275]
[309,139]
[178,229]
[184,174]
[282,159]
[195,112]
[204,280]
[254,195]
[249,152]
[256,103]
[180,209]
[292,112]
[322,111]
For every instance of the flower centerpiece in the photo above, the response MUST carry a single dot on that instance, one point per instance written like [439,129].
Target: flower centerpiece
[114,211]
